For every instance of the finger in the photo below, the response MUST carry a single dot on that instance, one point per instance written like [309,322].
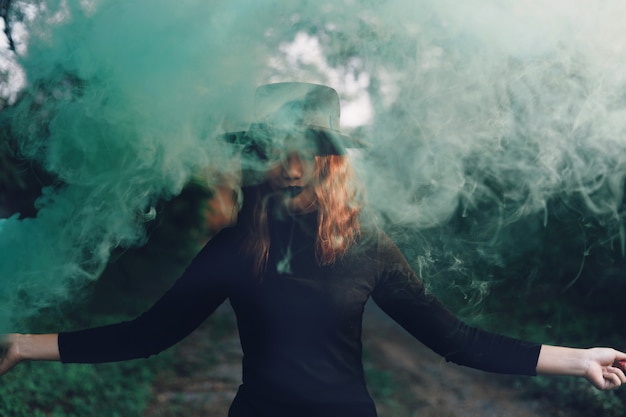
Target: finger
[617,371]
[3,365]
[620,357]
[611,380]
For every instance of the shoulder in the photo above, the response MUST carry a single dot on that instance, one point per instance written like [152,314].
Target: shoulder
[374,247]
[373,236]
[388,257]
[224,245]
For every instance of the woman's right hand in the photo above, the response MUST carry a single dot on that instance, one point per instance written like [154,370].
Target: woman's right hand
[9,352]
[15,348]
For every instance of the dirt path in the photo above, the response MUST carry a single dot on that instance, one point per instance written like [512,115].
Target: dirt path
[410,380]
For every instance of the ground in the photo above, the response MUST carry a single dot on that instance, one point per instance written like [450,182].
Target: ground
[408,380]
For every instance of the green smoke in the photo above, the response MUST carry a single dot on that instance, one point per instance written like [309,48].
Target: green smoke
[480,107]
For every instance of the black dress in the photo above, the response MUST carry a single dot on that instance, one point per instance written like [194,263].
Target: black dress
[300,323]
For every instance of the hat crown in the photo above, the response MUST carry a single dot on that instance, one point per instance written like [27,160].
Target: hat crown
[286,112]
[293,105]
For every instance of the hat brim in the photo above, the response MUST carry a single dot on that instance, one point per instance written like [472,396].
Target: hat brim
[327,141]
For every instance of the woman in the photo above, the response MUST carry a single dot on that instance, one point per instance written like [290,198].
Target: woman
[298,268]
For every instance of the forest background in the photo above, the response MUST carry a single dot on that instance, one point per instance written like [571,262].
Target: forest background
[495,159]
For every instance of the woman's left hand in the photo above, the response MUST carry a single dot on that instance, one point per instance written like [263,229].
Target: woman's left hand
[602,367]
[606,368]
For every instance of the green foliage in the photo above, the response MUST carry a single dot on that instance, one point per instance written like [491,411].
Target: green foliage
[79,390]
[382,385]
[576,394]
[53,389]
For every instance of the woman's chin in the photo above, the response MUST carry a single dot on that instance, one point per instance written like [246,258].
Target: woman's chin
[300,204]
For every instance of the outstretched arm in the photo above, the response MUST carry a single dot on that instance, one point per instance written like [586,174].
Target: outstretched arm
[15,348]
[600,366]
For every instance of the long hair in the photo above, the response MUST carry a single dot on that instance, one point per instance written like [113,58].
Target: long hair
[339,200]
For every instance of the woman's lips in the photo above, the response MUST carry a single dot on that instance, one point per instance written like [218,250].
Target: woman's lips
[292,191]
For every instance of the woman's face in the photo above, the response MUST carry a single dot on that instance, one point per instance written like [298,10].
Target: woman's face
[292,178]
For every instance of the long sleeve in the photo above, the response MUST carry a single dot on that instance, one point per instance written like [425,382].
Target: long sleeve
[192,298]
[401,294]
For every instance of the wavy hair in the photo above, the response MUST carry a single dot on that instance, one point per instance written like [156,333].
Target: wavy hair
[339,199]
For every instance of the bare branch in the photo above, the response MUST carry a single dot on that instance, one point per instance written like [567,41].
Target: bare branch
[5,5]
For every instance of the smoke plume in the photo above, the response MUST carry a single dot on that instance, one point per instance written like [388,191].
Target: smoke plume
[484,107]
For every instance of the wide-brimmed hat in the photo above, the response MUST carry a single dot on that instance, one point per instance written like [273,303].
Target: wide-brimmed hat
[310,112]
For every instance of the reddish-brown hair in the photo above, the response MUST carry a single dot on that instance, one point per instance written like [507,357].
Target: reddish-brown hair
[339,201]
